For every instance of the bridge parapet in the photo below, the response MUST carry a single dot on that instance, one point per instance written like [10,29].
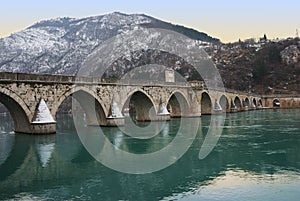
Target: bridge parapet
[281,96]
[45,78]
[64,79]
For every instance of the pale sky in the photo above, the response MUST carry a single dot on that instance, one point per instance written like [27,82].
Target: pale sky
[228,20]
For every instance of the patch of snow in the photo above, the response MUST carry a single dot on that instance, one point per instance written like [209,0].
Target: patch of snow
[115,110]
[217,106]
[42,114]
[162,110]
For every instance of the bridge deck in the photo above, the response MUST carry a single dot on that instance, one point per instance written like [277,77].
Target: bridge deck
[6,77]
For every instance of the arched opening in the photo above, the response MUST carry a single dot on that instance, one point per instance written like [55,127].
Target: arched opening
[237,103]
[7,123]
[177,105]
[17,113]
[246,103]
[254,102]
[206,105]
[85,106]
[224,103]
[139,107]
[63,115]
[6,139]
[259,104]
[276,103]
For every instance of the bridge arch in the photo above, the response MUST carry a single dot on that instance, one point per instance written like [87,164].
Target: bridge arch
[93,107]
[224,103]
[246,103]
[254,102]
[206,104]
[140,106]
[178,104]
[260,103]
[237,102]
[18,110]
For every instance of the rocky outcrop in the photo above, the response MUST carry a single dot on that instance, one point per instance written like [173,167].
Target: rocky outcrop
[290,55]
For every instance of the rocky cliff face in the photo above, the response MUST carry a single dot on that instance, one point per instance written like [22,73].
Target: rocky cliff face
[290,55]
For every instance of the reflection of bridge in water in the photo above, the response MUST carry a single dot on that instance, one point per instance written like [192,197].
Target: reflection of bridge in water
[41,162]
[25,95]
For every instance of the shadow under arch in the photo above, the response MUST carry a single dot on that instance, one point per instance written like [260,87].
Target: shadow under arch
[246,102]
[177,104]
[254,102]
[140,106]
[259,103]
[224,103]
[94,111]
[206,104]
[18,110]
[238,103]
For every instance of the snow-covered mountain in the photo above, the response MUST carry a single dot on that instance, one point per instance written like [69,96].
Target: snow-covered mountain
[60,46]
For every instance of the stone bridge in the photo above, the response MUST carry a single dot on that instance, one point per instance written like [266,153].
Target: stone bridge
[281,100]
[33,100]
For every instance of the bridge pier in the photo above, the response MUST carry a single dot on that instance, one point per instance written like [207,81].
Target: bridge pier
[115,121]
[158,117]
[40,129]
[110,121]
[37,129]
[42,122]
[162,117]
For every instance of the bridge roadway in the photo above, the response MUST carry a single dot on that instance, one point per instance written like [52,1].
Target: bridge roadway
[33,100]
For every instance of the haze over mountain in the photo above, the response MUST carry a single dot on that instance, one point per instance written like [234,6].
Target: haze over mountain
[60,46]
